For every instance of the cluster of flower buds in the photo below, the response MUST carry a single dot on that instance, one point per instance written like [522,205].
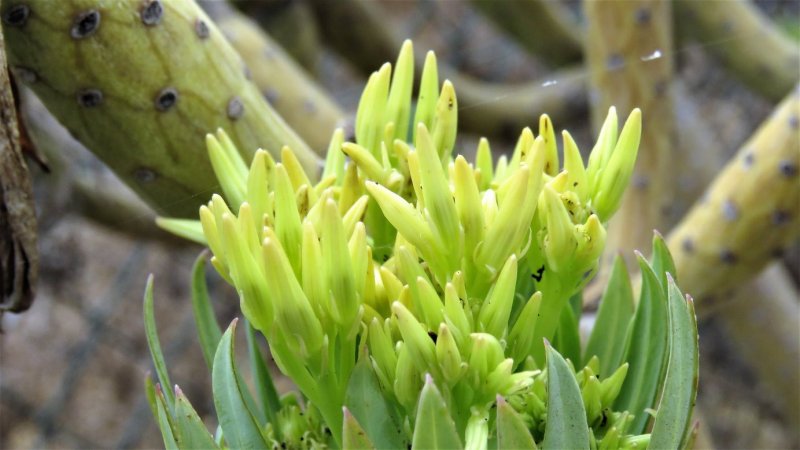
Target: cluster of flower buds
[438,266]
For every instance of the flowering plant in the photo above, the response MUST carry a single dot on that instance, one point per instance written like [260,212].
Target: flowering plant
[418,300]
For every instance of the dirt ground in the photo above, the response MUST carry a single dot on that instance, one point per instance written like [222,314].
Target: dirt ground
[72,368]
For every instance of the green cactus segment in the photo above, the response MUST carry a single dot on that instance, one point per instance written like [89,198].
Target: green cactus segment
[747,215]
[629,52]
[282,82]
[139,83]
[544,28]
[744,39]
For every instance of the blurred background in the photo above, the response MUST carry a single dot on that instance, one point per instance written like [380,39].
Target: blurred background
[72,367]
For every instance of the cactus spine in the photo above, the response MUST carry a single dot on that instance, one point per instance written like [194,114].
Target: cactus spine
[139,83]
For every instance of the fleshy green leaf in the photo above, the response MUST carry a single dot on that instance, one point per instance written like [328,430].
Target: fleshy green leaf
[662,260]
[189,428]
[434,427]
[265,388]
[567,339]
[566,417]
[164,422]
[511,429]
[365,400]
[353,436]
[204,320]
[645,350]
[673,419]
[150,392]
[155,345]
[235,417]
[607,340]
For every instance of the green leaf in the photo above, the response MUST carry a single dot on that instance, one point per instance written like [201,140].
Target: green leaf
[150,392]
[367,403]
[662,260]
[673,419]
[265,388]
[511,429]
[191,432]
[645,350]
[566,417]
[567,338]
[607,340]
[207,327]
[155,345]
[354,437]
[235,416]
[164,422]
[434,427]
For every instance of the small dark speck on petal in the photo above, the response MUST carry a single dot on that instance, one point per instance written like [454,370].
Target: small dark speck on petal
[16,15]
[235,108]
[309,106]
[151,12]
[794,122]
[90,98]
[201,28]
[688,245]
[86,23]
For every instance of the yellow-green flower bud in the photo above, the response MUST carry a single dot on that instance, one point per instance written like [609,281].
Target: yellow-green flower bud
[445,124]
[254,290]
[619,169]
[359,258]
[428,94]
[591,393]
[287,218]
[559,242]
[547,132]
[354,215]
[591,238]
[601,152]
[521,336]
[315,286]
[408,380]
[427,300]
[371,167]
[501,239]
[334,159]
[338,268]
[295,170]
[227,166]
[456,315]
[573,164]
[484,163]
[611,386]
[486,353]
[453,367]
[496,309]
[371,109]
[381,348]
[296,319]
[398,108]
[261,171]
[419,345]
[468,204]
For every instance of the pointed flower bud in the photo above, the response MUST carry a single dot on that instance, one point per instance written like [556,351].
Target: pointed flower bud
[547,132]
[559,243]
[619,169]
[445,124]
[338,267]
[428,94]
[448,356]
[398,108]
[227,165]
[484,162]
[419,345]
[496,309]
